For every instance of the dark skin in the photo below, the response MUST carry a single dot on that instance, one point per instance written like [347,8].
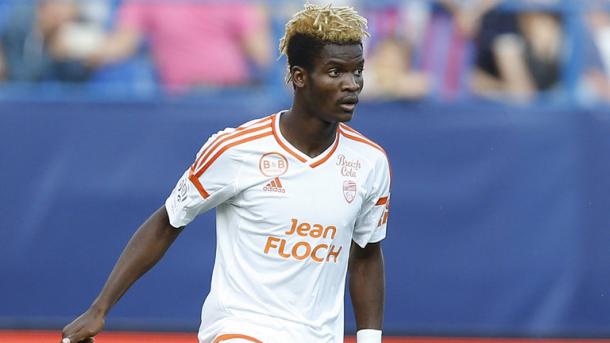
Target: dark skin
[311,126]
[324,97]
[143,251]
[335,79]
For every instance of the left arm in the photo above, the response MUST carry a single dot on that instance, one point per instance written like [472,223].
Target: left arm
[367,285]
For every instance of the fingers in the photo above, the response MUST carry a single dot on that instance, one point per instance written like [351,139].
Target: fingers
[83,328]
[78,337]
[86,340]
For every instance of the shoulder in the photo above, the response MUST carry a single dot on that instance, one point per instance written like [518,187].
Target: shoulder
[228,143]
[364,145]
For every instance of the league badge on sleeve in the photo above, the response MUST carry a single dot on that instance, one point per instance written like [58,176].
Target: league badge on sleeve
[349,190]
[182,190]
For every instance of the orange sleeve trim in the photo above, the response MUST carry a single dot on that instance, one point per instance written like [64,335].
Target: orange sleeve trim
[204,194]
[363,137]
[220,140]
[330,153]
[382,201]
[227,337]
[227,147]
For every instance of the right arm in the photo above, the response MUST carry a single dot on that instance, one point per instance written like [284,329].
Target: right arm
[144,250]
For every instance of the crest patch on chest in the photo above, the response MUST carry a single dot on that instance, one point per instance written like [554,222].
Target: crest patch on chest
[349,190]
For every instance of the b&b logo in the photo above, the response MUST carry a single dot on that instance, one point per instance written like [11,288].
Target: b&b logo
[273,164]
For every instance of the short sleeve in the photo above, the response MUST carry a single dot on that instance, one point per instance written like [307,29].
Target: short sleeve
[373,217]
[210,181]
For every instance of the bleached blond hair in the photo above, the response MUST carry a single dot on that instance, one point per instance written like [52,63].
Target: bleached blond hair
[328,24]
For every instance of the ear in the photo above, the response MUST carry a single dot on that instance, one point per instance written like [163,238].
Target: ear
[299,76]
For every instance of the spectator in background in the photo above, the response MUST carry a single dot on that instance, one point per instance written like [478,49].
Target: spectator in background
[518,54]
[389,73]
[396,31]
[596,77]
[450,44]
[39,41]
[193,43]
[428,44]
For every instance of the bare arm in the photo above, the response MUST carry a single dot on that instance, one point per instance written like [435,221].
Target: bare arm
[367,285]
[117,46]
[509,53]
[144,250]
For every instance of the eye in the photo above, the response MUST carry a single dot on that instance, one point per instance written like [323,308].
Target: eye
[358,72]
[333,73]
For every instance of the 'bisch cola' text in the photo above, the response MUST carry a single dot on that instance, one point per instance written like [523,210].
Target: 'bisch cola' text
[303,250]
[348,167]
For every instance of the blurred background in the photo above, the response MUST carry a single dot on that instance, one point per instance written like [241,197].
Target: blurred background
[495,115]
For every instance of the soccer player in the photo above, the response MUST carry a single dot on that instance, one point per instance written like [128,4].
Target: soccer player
[300,197]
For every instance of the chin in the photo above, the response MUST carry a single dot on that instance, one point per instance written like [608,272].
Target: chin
[340,116]
[345,116]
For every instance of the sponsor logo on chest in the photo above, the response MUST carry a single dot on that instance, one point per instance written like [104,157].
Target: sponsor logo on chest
[348,167]
[273,164]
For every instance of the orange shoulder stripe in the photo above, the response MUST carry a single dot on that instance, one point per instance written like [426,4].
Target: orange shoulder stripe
[362,140]
[227,147]
[219,141]
[240,128]
[223,338]
[358,134]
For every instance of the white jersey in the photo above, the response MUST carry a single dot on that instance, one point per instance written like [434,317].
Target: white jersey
[285,223]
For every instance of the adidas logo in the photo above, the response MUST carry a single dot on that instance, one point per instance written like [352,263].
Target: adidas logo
[274,185]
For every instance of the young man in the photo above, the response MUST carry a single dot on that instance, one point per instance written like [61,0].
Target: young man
[299,194]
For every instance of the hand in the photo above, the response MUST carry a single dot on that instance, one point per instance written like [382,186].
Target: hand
[83,328]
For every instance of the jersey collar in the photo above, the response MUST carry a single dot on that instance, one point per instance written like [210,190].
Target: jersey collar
[296,153]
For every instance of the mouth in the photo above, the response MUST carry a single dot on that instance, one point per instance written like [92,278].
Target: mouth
[348,104]
[348,107]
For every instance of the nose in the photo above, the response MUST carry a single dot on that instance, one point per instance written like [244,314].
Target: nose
[351,83]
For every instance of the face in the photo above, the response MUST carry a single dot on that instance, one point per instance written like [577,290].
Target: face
[332,87]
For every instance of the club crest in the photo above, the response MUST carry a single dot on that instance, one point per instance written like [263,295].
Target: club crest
[349,191]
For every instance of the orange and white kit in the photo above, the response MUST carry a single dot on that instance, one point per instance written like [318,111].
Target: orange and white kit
[285,223]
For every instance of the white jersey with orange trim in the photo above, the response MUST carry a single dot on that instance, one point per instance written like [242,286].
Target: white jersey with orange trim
[285,224]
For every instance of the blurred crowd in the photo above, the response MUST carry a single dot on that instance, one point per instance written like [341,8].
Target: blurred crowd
[515,51]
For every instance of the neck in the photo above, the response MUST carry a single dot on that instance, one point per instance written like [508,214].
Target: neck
[307,132]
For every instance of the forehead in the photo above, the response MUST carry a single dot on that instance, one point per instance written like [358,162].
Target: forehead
[338,53]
